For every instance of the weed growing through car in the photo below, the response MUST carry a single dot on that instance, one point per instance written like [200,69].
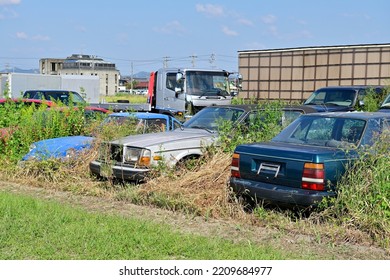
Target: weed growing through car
[363,200]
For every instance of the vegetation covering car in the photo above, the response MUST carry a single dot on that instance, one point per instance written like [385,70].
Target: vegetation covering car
[63,97]
[303,164]
[89,110]
[133,157]
[70,146]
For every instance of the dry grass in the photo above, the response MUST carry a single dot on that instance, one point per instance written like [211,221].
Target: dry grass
[65,175]
[203,191]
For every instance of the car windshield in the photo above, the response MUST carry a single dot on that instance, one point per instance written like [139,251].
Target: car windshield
[210,117]
[332,96]
[201,83]
[323,131]
[386,103]
[62,96]
[139,125]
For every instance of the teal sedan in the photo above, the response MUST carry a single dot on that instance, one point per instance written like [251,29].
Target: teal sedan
[303,164]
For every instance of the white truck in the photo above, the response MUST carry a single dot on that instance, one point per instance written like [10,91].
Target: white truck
[184,91]
[189,90]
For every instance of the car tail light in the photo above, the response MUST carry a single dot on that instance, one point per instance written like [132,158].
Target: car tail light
[235,166]
[313,177]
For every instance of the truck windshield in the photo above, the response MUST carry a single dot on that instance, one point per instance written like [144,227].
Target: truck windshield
[330,96]
[207,83]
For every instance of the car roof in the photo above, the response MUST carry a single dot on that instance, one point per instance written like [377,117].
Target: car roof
[50,90]
[354,114]
[351,87]
[250,107]
[140,115]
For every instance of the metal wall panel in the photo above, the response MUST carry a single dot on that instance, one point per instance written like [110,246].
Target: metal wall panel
[292,74]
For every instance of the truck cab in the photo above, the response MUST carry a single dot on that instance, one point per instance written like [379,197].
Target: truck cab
[188,90]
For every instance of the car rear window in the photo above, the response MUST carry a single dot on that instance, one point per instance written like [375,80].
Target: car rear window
[323,131]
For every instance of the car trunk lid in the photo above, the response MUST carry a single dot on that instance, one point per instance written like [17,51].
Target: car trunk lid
[284,163]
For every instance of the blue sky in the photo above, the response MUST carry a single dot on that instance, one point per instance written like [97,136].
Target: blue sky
[140,35]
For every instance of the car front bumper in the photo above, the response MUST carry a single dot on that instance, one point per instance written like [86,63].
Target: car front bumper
[118,171]
[277,194]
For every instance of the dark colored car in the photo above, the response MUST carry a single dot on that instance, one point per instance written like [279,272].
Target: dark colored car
[303,164]
[63,97]
[340,98]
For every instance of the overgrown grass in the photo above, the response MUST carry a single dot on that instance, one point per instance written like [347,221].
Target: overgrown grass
[362,206]
[132,98]
[363,200]
[22,125]
[35,229]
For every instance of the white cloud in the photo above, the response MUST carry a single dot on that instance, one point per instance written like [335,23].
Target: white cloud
[245,21]
[25,36]
[7,13]
[228,31]
[40,38]
[173,27]
[268,19]
[255,46]
[9,2]
[210,10]
[21,35]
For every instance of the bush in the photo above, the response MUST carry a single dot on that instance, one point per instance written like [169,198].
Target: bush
[24,124]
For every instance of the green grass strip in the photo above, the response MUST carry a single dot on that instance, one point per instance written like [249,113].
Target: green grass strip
[37,229]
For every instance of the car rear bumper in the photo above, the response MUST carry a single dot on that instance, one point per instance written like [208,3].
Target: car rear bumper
[122,171]
[277,194]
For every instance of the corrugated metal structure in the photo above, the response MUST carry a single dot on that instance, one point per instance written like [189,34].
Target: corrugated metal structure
[292,74]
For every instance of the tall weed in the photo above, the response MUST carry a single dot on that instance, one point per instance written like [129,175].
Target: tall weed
[363,200]
[22,124]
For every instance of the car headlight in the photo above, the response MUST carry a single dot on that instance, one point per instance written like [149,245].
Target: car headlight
[32,147]
[137,156]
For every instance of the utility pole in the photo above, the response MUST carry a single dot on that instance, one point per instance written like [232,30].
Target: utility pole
[131,79]
[165,63]
[193,57]
[212,60]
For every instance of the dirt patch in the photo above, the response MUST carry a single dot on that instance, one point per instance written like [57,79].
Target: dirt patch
[296,243]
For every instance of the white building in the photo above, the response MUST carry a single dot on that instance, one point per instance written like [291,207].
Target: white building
[86,65]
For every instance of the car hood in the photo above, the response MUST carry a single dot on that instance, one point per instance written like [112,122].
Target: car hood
[58,147]
[329,108]
[160,138]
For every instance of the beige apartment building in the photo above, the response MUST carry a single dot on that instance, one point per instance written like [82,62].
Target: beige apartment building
[87,65]
[292,74]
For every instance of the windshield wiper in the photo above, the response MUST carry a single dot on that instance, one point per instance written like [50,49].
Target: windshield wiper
[202,127]
[331,103]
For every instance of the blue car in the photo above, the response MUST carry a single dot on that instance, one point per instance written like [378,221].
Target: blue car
[68,146]
[303,164]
